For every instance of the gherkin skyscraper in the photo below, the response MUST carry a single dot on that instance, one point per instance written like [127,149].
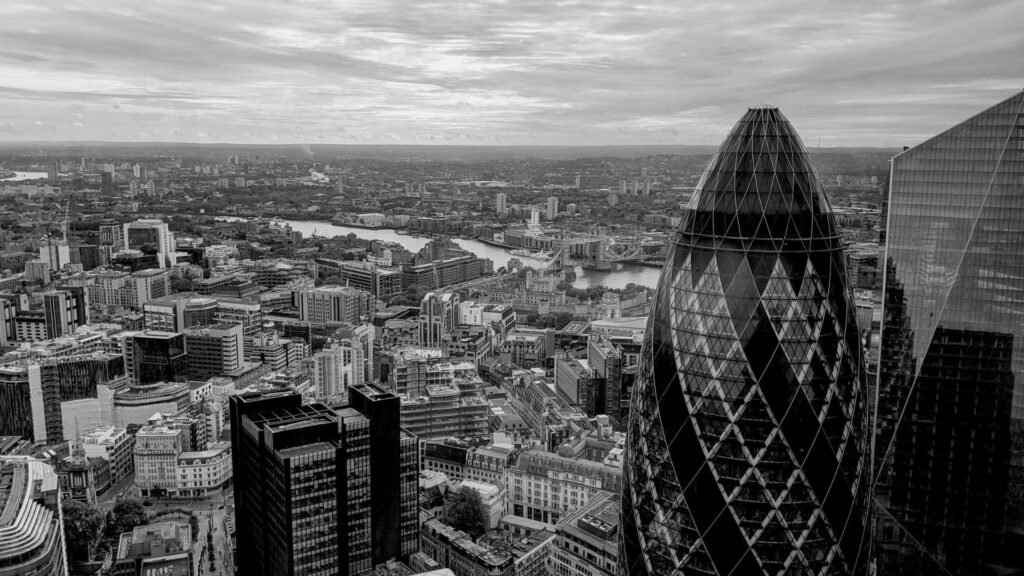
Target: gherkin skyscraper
[747,436]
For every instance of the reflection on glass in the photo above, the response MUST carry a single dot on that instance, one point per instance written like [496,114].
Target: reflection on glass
[948,448]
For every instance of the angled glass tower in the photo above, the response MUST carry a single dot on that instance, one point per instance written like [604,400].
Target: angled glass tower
[748,430]
[950,439]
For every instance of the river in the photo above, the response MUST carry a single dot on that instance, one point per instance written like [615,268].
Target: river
[19,176]
[618,277]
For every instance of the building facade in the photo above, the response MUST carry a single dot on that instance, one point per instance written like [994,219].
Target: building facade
[950,435]
[321,490]
[747,436]
[31,529]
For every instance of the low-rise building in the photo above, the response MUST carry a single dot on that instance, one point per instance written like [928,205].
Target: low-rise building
[205,472]
[492,556]
[164,548]
[113,444]
[586,541]
[544,486]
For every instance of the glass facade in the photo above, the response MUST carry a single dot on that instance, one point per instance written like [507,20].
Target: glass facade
[747,434]
[950,441]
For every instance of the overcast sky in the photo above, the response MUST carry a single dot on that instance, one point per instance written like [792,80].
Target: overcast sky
[850,72]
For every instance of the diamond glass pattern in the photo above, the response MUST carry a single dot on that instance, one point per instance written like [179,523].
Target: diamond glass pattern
[749,397]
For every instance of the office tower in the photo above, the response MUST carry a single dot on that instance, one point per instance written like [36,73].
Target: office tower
[153,356]
[500,203]
[341,185]
[747,433]
[214,350]
[622,187]
[151,236]
[136,171]
[552,209]
[534,218]
[321,488]
[325,304]
[950,437]
[151,188]
[52,170]
[578,178]
[439,314]
[31,531]
[133,189]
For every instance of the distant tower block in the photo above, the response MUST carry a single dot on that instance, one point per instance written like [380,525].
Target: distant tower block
[341,185]
[622,187]
[636,187]
[577,181]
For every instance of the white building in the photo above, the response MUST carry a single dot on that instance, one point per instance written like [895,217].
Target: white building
[203,473]
[152,233]
[113,444]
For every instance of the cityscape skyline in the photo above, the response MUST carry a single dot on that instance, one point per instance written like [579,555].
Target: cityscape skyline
[489,73]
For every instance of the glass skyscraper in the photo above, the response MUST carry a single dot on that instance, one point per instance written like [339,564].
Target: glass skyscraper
[747,435]
[950,441]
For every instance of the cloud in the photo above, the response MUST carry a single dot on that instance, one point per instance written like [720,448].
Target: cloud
[524,72]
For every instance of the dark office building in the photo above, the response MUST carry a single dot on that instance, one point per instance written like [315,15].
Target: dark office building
[747,437]
[153,356]
[950,434]
[321,490]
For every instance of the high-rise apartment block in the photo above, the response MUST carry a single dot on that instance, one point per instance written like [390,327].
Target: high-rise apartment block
[552,208]
[501,203]
[320,489]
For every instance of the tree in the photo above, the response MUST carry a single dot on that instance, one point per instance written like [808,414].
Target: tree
[465,512]
[181,284]
[126,516]
[82,525]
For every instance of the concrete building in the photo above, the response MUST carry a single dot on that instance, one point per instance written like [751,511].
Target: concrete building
[552,208]
[586,541]
[545,487]
[164,548]
[136,403]
[113,444]
[443,412]
[501,203]
[453,549]
[326,304]
[336,368]
[203,473]
[151,235]
[31,531]
[156,451]
[215,350]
